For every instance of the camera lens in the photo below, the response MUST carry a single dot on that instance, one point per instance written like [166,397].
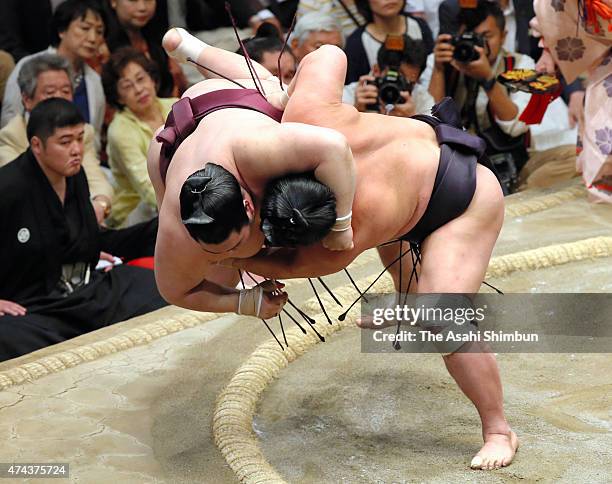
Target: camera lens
[389,94]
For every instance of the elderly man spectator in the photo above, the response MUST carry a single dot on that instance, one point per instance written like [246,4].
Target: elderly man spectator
[312,31]
[50,289]
[78,32]
[40,78]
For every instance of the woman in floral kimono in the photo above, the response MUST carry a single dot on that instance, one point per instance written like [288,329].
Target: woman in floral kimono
[578,39]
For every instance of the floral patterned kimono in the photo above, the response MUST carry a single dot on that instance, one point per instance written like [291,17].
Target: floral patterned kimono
[584,45]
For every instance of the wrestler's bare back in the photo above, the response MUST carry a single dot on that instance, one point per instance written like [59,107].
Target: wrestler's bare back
[396,159]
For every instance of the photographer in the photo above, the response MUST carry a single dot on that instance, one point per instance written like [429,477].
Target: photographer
[393,85]
[466,67]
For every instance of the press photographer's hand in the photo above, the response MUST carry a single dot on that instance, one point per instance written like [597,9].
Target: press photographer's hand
[479,69]
[406,109]
[365,94]
[443,50]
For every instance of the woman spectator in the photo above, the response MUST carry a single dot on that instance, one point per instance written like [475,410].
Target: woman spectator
[383,18]
[78,32]
[141,25]
[130,82]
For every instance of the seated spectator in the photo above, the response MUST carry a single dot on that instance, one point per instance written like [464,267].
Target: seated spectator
[7,64]
[130,83]
[312,31]
[517,13]
[142,25]
[344,13]
[384,18]
[469,75]
[78,32]
[399,71]
[42,77]
[50,290]
[266,48]
[24,27]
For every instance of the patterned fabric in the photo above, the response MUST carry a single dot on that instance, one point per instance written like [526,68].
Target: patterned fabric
[577,51]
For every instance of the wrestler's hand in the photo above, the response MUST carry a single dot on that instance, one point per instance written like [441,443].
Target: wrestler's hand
[272,302]
[339,240]
[11,308]
[365,94]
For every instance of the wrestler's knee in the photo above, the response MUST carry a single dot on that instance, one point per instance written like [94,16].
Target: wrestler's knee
[450,316]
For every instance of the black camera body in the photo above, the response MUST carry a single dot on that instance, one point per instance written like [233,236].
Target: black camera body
[465,46]
[389,87]
[392,82]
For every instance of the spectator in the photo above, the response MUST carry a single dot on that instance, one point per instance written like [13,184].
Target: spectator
[384,18]
[487,107]
[518,13]
[24,27]
[7,64]
[415,98]
[49,288]
[42,77]
[344,12]
[314,30]
[78,32]
[130,81]
[141,24]
[266,48]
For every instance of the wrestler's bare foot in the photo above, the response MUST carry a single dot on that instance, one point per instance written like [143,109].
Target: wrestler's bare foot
[171,40]
[498,451]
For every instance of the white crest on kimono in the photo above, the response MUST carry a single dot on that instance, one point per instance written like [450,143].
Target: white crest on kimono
[23,235]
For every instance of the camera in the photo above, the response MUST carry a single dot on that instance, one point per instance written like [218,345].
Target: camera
[465,46]
[389,85]
[507,172]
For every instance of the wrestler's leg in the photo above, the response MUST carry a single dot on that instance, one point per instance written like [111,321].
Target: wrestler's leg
[454,260]
[182,45]
[388,255]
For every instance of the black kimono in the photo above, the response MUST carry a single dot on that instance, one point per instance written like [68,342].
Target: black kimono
[40,239]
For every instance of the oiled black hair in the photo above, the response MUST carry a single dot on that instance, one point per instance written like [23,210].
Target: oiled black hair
[51,114]
[473,17]
[297,210]
[212,205]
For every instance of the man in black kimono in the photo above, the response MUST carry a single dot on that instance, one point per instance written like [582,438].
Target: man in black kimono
[50,243]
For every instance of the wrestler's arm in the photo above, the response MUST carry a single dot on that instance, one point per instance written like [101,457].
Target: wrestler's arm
[319,81]
[312,261]
[298,148]
[182,272]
